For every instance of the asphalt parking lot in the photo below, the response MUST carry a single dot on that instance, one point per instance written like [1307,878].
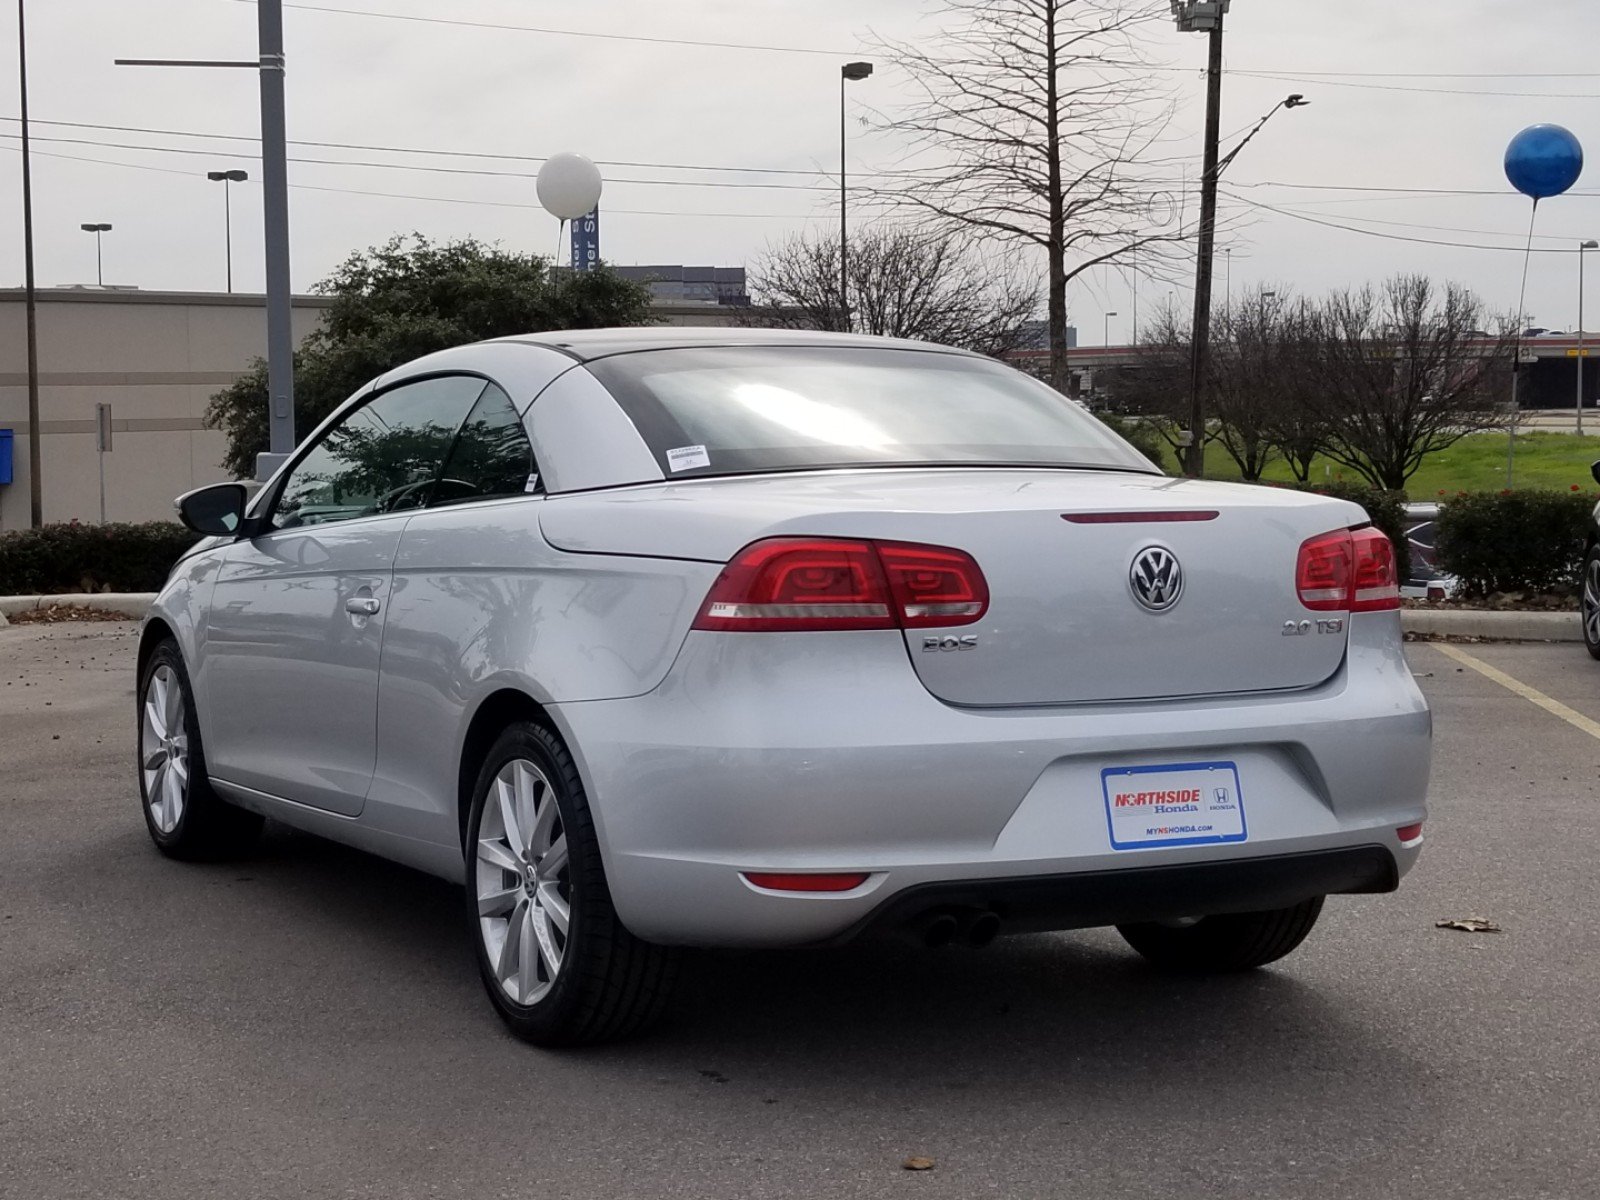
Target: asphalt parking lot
[308,1022]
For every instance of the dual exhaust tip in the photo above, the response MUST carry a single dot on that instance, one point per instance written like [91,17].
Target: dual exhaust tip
[971,927]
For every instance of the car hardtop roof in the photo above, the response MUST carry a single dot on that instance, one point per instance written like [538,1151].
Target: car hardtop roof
[588,344]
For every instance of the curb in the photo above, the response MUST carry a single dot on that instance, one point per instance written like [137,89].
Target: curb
[1493,626]
[129,604]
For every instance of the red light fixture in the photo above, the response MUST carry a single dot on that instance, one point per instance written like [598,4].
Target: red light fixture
[1138,518]
[1348,571]
[805,584]
[789,881]
[1410,833]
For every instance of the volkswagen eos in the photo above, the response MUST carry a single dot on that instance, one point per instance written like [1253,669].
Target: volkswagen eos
[657,638]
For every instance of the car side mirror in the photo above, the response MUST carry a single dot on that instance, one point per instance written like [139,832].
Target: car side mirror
[1595,471]
[217,511]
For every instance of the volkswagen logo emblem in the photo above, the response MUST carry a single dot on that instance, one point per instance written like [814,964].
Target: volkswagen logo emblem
[1156,578]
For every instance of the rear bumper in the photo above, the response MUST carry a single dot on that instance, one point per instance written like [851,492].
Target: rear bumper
[1090,898]
[819,752]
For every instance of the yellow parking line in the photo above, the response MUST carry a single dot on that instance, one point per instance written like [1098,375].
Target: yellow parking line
[1572,717]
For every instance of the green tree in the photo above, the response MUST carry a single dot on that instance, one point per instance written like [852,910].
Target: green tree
[411,297]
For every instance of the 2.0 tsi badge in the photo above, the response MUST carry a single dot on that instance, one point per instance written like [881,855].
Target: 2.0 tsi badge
[1156,578]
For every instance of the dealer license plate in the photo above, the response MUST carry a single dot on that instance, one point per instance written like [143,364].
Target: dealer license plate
[1181,804]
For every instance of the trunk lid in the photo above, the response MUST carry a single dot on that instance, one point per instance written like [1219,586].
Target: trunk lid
[1060,551]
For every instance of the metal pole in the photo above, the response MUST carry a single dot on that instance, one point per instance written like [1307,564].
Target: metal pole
[275,202]
[844,232]
[99,264]
[1202,274]
[227,222]
[1582,246]
[35,483]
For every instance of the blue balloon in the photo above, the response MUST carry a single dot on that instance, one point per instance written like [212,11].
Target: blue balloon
[1544,160]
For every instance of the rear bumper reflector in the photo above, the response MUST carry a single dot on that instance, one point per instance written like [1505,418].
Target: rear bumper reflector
[802,882]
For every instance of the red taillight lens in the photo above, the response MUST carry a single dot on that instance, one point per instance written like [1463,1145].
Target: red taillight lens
[1322,575]
[794,584]
[799,583]
[796,882]
[1348,571]
[1410,833]
[1375,586]
[933,586]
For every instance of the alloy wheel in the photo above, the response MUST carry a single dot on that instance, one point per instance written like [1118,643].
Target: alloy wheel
[164,749]
[1591,602]
[522,881]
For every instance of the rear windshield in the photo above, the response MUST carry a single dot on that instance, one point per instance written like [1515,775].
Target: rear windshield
[728,410]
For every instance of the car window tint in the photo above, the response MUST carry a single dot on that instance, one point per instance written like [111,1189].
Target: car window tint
[492,455]
[383,457]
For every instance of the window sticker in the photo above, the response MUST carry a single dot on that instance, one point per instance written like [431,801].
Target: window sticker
[532,485]
[687,458]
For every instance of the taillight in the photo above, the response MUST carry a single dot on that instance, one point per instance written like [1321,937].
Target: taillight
[1322,576]
[1348,571]
[794,584]
[787,881]
[1375,586]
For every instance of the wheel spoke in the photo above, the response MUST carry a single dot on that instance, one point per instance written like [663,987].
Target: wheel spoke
[154,709]
[554,860]
[526,787]
[172,703]
[555,907]
[505,794]
[544,820]
[508,948]
[497,904]
[528,955]
[540,923]
[154,757]
[493,853]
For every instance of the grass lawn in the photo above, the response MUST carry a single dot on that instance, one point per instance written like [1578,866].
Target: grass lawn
[1474,464]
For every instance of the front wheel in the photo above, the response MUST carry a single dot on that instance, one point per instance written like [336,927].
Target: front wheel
[1227,942]
[1591,601]
[557,963]
[185,817]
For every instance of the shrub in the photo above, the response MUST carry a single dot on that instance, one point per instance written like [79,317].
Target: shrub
[1138,434]
[90,558]
[1387,510]
[1522,541]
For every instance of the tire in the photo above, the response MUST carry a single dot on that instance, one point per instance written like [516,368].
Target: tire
[185,817]
[529,873]
[1590,603]
[1228,942]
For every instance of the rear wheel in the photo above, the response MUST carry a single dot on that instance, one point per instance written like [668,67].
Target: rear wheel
[1227,942]
[185,817]
[557,963]
[1591,601]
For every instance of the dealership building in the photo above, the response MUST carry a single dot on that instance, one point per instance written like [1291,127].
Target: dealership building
[156,359]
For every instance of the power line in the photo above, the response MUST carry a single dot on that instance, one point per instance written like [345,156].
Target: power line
[1395,87]
[583,33]
[478,172]
[310,187]
[529,158]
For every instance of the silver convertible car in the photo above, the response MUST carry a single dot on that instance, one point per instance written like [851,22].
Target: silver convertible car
[658,638]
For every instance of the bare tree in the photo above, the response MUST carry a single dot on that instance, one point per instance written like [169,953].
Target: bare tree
[901,285]
[1404,372]
[1032,125]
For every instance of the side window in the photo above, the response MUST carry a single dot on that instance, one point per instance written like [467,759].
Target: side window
[491,457]
[383,457]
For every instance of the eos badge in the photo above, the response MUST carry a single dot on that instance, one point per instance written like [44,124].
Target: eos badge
[969,642]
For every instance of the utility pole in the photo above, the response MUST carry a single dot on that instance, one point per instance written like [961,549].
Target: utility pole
[35,483]
[850,71]
[275,205]
[1212,21]
[1589,244]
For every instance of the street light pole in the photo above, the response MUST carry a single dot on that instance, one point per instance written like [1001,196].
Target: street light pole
[99,262]
[275,206]
[850,71]
[1582,246]
[1107,341]
[35,484]
[227,179]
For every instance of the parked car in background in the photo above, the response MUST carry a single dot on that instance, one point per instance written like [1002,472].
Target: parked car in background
[1426,580]
[671,637]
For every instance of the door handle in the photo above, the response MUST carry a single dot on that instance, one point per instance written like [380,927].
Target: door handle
[363,606]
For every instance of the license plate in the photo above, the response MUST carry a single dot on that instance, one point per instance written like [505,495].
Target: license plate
[1179,804]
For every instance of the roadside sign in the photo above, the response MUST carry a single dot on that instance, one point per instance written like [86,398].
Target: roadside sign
[586,241]
[102,428]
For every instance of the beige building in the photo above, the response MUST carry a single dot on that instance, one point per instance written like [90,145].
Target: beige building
[156,358]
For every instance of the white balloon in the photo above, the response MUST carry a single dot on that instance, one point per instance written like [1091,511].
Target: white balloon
[569,186]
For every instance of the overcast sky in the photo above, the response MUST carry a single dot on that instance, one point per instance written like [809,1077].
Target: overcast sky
[1424,115]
